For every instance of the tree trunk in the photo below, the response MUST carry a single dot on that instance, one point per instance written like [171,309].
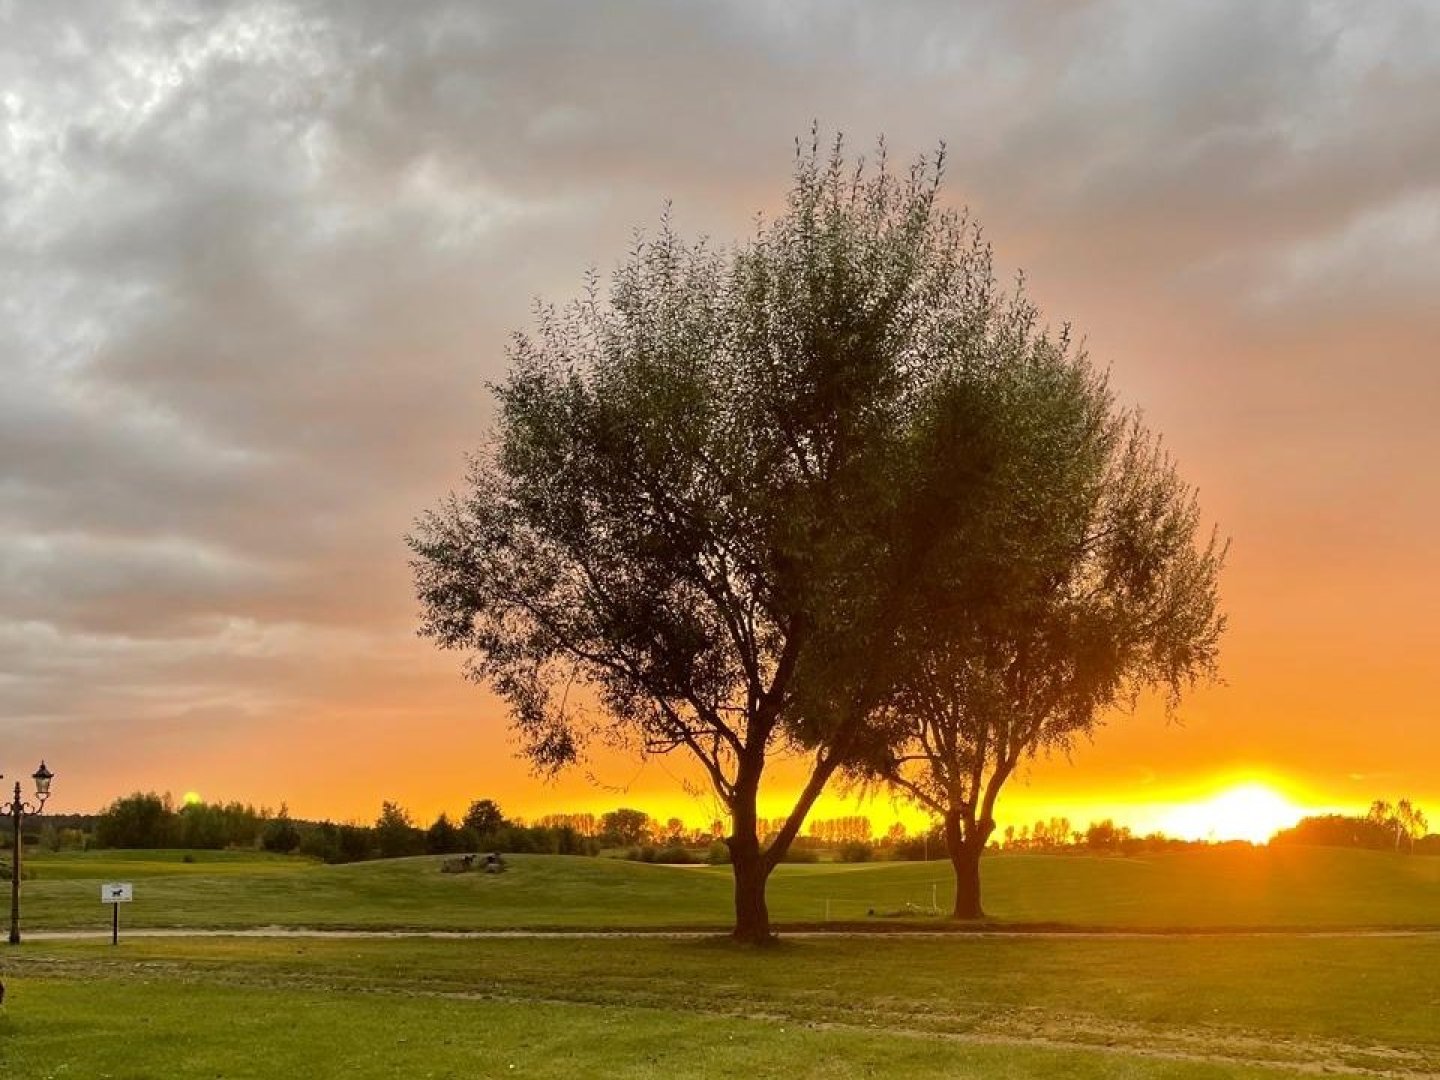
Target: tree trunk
[752,916]
[747,861]
[965,842]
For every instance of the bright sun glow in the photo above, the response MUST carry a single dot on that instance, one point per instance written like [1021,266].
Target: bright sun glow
[1251,811]
[191,798]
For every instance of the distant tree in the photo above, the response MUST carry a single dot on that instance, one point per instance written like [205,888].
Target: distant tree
[842,830]
[281,834]
[927,844]
[443,837]
[1403,821]
[1060,831]
[355,843]
[136,821]
[1337,830]
[200,825]
[1411,822]
[1109,590]
[396,834]
[624,827]
[720,494]
[1105,835]
[584,824]
[484,818]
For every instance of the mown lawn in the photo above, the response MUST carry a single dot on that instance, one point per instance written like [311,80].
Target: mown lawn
[1187,1007]
[1223,888]
[1190,1006]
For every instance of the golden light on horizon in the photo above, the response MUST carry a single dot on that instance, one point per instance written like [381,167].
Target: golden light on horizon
[191,798]
[1252,811]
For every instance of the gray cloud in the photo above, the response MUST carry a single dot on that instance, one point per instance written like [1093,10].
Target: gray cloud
[257,260]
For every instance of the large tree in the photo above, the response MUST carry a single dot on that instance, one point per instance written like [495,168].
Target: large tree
[720,489]
[1120,597]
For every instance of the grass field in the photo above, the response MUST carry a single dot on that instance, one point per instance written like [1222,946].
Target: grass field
[1183,1007]
[1204,1005]
[1223,888]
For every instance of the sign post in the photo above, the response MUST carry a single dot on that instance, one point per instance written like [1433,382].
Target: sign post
[115,894]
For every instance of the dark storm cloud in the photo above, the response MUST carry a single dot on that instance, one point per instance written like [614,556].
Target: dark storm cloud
[257,260]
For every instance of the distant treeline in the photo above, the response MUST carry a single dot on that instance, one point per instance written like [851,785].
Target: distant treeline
[1398,827]
[148,820]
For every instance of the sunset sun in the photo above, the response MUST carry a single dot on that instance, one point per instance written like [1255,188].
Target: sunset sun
[1252,811]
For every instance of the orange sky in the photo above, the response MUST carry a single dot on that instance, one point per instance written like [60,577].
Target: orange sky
[258,268]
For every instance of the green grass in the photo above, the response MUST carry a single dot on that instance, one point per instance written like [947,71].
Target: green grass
[90,1030]
[1222,888]
[1187,1007]
[1194,1007]
[131,865]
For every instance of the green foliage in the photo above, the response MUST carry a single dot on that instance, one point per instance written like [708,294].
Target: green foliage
[141,820]
[854,851]
[215,826]
[333,843]
[396,834]
[280,835]
[624,828]
[1105,836]
[539,840]
[671,854]
[1094,584]
[927,845]
[444,838]
[483,817]
[722,491]
[148,820]
[1401,827]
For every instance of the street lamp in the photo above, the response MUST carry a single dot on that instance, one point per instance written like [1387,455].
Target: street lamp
[17,810]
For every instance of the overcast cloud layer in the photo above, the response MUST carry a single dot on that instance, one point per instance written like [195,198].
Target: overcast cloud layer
[257,261]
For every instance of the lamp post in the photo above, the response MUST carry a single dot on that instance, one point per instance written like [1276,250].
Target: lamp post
[17,810]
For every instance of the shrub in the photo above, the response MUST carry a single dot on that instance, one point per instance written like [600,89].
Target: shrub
[672,854]
[321,842]
[856,851]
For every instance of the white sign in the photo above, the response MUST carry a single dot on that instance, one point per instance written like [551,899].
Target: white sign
[119,892]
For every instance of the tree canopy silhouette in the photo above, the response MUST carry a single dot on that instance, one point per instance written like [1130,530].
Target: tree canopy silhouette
[1124,599]
[722,490]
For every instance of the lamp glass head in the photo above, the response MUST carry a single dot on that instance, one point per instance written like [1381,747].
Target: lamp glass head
[42,779]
